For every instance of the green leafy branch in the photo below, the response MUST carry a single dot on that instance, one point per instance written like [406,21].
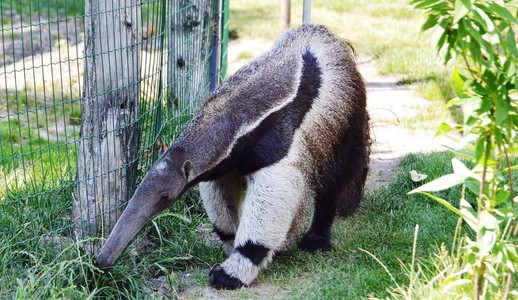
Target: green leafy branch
[479,38]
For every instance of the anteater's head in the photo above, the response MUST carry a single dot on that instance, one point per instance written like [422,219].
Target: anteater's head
[163,184]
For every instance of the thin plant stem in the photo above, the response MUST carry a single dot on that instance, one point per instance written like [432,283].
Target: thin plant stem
[513,226]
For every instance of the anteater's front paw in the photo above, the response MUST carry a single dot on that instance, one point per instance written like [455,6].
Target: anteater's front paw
[219,279]
[312,244]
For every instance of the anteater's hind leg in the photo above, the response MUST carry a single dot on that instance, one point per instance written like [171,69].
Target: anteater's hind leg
[273,197]
[330,199]
[341,186]
[318,237]
[352,194]
[222,199]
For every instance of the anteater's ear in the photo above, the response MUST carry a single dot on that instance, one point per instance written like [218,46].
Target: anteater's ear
[187,169]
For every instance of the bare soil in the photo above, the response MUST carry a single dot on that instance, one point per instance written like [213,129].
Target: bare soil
[28,35]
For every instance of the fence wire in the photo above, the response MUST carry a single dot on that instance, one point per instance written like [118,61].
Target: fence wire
[41,89]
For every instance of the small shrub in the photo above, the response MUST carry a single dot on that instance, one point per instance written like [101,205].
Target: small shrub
[479,38]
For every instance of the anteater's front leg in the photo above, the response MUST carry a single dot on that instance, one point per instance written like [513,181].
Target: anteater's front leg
[222,199]
[272,200]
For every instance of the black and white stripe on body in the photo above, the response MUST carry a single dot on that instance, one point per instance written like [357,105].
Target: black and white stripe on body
[289,127]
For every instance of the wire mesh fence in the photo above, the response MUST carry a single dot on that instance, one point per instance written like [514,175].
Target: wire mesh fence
[46,98]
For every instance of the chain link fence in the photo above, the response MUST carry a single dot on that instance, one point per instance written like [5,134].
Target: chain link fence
[45,65]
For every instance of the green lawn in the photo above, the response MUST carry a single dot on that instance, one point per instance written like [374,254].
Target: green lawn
[384,226]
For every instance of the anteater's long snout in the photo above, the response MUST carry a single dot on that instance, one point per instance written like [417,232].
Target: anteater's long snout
[133,219]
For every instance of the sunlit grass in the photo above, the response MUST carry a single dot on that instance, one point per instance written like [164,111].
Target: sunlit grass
[386,30]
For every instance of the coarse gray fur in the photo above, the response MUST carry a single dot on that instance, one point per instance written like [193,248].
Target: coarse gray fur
[289,127]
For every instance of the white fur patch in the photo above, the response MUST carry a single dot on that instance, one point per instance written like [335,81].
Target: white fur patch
[273,197]
[216,201]
[222,199]
[160,167]
[240,267]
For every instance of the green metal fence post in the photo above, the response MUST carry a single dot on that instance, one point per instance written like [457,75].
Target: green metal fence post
[224,39]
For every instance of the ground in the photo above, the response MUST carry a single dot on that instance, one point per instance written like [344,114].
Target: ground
[388,103]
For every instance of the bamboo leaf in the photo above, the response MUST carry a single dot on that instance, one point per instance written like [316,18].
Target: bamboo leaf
[502,196]
[431,21]
[464,142]
[488,232]
[502,12]
[510,43]
[460,169]
[437,5]
[482,44]
[465,153]
[440,184]
[444,128]
[483,19]
[469,214]
[461,9]
[473,185]
[457,83]
[439,36]
[444,203]
[420,4]
[502,110]
[474,101]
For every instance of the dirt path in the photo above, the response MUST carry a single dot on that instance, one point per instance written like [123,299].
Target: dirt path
[388,103]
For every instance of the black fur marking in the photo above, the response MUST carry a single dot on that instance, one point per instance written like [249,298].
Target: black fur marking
[219,279]
[255,252]
[353,187]
[227,110]
[273,137]
[312,243]
[271,140]
[225,237]
[318,236]
[341,185]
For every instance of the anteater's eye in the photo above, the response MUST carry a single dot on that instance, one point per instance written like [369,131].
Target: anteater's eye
[164,195]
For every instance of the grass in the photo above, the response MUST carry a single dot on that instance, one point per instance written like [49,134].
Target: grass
[56,9]
[48,9]
[245,55]
[52,265]
[46,263]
